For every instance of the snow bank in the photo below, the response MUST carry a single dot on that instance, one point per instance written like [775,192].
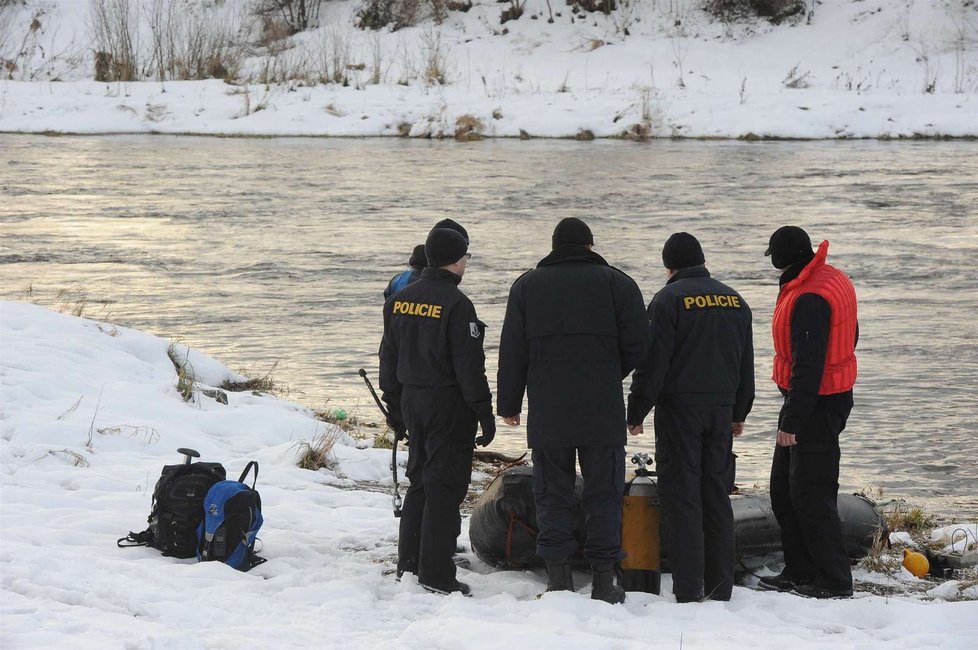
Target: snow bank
[90,413]
[852,70]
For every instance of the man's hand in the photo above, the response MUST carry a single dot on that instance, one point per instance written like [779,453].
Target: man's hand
[786,439]
[636,430]
[396,424]
[513,421]
[488,424]
[738,429]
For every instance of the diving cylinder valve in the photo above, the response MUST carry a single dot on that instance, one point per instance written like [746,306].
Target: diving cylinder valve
[641,569]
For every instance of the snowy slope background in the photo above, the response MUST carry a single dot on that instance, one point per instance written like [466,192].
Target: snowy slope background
[650,68]
[89,413]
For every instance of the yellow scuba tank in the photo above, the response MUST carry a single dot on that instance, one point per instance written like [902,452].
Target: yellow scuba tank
[641,569]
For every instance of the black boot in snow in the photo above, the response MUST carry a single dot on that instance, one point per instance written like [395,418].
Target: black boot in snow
[605,583]
[559,576]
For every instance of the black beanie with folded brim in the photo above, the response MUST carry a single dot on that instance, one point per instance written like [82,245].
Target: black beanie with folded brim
[444,246]
[453,225]
[571,231]
[682,250]
[418,259]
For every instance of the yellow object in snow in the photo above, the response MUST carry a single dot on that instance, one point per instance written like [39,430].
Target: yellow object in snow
[916,563]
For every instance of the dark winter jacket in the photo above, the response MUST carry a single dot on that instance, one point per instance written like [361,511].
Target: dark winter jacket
[433,339]
[702,348]
[810,322]
[574,328]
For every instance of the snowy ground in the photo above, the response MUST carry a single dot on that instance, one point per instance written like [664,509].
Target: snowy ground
[89,414]
[854,69]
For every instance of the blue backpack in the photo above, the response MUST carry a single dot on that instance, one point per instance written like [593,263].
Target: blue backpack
[232,517]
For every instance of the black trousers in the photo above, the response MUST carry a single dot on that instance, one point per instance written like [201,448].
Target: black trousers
[804,497]
[554,475]
[693,453]
[442,431]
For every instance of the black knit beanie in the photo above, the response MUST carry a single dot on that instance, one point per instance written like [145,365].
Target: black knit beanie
[572,231]
[454,225]
[682,250]
[418,259]
[444,246]
[789,245]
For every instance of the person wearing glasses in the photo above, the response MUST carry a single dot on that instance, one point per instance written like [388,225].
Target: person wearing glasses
[433,378]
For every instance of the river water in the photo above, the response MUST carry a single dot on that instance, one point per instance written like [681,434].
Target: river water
[273,253]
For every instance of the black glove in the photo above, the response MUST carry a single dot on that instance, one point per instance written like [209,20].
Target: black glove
[488,424]
[396,424]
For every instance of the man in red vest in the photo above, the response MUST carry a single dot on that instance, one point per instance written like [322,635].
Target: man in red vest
[815,333]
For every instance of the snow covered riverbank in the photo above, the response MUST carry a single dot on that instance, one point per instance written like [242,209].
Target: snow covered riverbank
[89,414]
[647,69]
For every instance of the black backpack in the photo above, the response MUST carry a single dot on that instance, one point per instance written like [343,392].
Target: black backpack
[178,507]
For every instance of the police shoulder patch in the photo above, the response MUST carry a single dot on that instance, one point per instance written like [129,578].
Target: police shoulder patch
[474,330]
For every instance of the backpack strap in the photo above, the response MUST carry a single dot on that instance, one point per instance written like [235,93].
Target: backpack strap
[244,474]
[133,539]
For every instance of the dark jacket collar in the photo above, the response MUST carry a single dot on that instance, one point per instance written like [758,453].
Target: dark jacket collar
[442,275]
[689,272]
[572,253]
[805,266]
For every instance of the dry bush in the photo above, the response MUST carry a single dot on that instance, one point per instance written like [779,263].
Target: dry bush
[398,14]
[604,6]
[736,10]
[74,457]
[468,128]
[295,15]
[796,79]
[912,519]
[114,24]
[384,440]
[318,454]
[434,63]
[9,53]
[194,43]
[378,14]
[185,373]
[263,384]
[331,55]
[71,301]
[287,66]
[513,12]
[148,434]
[879,559]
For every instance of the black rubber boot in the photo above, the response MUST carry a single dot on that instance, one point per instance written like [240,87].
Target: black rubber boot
[456,586]
[781,582]
[559,576]
[605,583]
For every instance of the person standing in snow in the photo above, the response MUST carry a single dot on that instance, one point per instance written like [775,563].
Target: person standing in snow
[699,376]
[815,332]
[574,328]
[433,378]
[417,263]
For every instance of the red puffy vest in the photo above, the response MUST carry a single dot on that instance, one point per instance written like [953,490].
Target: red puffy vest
[835,287]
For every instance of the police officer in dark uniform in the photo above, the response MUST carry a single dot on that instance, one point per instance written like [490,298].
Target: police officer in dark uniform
[699,376]
[417,263]
[433,378]
[574,328]
[815,329]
